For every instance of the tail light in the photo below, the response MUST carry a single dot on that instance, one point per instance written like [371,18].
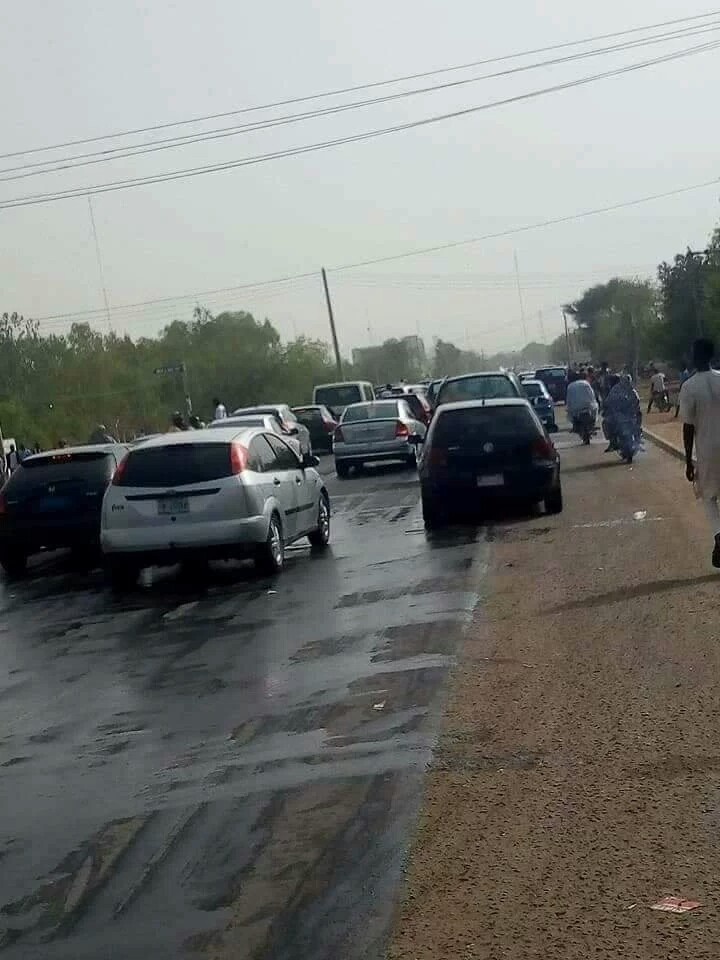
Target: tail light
[328,425]
[402,429]
[338,436]
[437,457]
[542,449]
[121,468]
[238,458]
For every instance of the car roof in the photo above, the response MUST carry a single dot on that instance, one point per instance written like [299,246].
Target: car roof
[80,448]
[208,435]
[480,373]
[258,408]
[535,381]
[375,402]
[475,404]
[342,383]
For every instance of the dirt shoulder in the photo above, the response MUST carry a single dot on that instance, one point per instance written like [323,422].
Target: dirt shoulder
[576,781]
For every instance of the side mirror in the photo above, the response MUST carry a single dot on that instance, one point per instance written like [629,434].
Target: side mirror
[310,460]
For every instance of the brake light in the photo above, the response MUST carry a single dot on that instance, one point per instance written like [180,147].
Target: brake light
[329,425]
[402,429]
[437,457]
[238,458]
[121,468]
[338,436]
[542,449]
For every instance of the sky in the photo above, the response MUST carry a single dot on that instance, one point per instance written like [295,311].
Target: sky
[75,69]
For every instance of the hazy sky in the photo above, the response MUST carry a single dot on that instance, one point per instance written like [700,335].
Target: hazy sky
[80,68]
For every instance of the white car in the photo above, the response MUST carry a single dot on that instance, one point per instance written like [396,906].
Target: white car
[266,421]
[211,493]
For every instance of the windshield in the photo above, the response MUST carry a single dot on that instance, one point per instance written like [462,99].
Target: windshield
[477,388]
[176,465]
[340,396]
[533,389]
[472,428]
[371,411]
[90,468]
[557,373]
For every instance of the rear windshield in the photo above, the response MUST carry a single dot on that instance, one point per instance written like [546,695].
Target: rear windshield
[341,396]
[533,389]
[238,422]
[307,414]
[477,388]
[371,411]
[176,465]
[93,469]
[472,428]
[558,373]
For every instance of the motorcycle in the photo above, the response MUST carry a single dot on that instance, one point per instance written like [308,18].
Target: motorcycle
[584,425]
[627,443]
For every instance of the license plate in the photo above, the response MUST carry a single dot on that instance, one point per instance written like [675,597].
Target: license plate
[491,480]
[173,505]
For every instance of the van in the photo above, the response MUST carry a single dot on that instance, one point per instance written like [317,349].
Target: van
[337,396]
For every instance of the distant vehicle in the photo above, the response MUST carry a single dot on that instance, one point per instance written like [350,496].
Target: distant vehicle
[211,493]
[265,421]
[482,449]
[479,386]
[53,500]
[289,422]
[321,424]
[337,396]
[526,375]
[379,431]
[555,379]
[539,397]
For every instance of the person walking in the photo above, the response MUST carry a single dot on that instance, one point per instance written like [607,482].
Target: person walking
[700,412]
[12,461]
[220,409]
[658,390]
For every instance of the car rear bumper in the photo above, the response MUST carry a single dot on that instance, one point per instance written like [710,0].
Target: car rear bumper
[219,537]
[53,536]
[532,484]
[379,450]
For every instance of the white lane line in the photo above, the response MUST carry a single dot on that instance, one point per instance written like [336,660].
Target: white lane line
[181,610]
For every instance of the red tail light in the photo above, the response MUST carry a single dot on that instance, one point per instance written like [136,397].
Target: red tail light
[437,457]
[542,449]
[328,425]
[238,458]
[338,435]
[121,467]
[402,429]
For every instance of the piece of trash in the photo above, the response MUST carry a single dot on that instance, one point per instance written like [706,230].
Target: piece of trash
[631,907]
[640,515]
[271,592]
[675,905]
[379,706]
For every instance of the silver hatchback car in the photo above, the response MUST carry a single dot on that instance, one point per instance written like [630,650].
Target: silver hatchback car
[211,493]
[381,430]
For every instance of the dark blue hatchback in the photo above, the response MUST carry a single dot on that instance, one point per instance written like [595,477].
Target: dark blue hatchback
[539,396]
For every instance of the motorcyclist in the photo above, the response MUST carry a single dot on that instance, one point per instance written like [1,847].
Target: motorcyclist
[624,418]
[581,402]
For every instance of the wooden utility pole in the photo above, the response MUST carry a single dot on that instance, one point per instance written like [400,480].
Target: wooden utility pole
[520,296]
[338,359]
[567,339]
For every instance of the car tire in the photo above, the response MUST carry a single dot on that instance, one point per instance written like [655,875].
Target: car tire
[270,556]
[554,501]
[433,516]
[342,469]
[14,564]
[123,574]
[320,537]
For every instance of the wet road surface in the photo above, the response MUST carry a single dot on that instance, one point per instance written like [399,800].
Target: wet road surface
[232,768]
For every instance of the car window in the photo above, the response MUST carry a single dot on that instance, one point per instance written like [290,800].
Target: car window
[478,425]
[371,411]
[340,396]
[533,389]
[415,404]
[262,455]
[176,464]
[92,469]
[477,388]
[285,458]
[558,373]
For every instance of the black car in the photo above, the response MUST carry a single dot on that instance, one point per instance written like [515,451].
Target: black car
[480,450]
[486,385]
[555,379]
[53,500]
[320,422]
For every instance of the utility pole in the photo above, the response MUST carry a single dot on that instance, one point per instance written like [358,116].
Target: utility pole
[567,339]
[99,260]
[520,296]
[338,359]
[186,389]
[541,321]
[696,281]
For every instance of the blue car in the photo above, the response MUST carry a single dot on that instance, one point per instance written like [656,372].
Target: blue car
[539,396]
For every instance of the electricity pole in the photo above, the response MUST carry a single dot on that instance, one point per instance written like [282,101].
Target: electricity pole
[338,359]
[567,339]
[696,289]
[520,296]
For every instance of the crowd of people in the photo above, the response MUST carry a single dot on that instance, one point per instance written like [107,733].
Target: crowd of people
[613,397]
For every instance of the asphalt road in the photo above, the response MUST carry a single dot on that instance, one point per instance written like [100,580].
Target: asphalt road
[232,768]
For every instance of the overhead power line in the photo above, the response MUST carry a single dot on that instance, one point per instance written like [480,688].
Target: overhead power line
[391,258]
[113,186]
[357,87]
[61,164]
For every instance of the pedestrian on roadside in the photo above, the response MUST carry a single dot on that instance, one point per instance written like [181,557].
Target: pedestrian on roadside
[658,389]
[220,409]
[177,423]
[700,412]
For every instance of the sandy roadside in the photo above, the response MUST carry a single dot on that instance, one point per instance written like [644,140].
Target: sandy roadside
[576,782]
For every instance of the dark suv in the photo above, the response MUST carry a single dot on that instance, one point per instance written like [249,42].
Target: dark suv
[53,500]
[495,385]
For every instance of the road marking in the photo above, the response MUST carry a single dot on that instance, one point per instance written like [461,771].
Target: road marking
[616,523]
[181,610]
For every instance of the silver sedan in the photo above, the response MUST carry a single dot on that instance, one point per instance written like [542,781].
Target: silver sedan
[372,432]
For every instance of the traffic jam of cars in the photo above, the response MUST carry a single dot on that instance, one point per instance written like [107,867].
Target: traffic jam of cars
[248,485]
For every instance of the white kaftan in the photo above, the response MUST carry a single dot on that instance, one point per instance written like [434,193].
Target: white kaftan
[700,406]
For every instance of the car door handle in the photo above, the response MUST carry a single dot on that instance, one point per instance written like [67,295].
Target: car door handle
[277,481]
